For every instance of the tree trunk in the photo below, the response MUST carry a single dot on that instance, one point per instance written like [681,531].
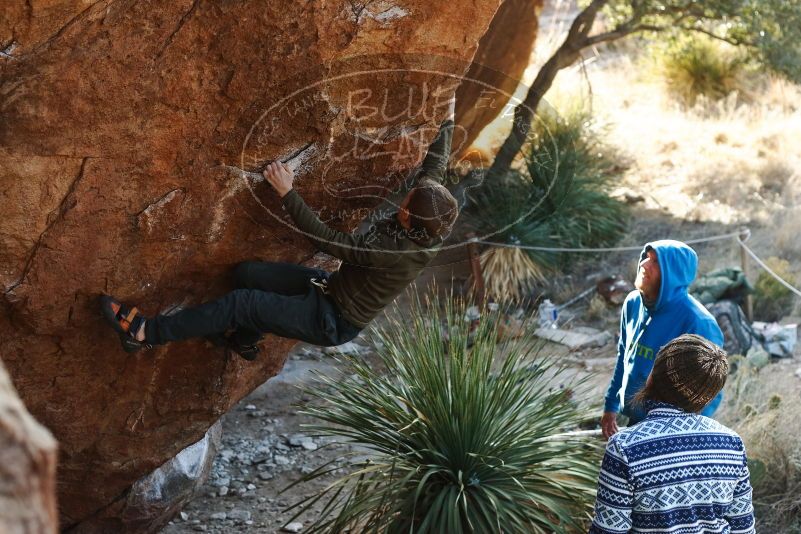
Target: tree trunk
[565,56]
[524,114]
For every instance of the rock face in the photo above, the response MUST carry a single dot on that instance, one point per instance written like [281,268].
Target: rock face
[503,55]
[155,498]
[121,125]
[27,468]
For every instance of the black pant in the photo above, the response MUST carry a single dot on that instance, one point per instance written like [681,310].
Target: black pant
[275,298]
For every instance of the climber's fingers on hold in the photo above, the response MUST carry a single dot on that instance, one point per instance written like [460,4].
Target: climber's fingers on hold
[271,171]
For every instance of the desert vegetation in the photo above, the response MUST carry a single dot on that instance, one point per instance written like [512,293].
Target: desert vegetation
[763,408]
[453,437]
[558,198]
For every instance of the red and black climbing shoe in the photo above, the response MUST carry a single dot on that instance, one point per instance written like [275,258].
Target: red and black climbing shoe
[125,320]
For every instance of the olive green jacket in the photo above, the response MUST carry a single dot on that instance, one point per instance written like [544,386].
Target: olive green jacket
[380,264]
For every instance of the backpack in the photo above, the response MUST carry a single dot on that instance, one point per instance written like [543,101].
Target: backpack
[738,335]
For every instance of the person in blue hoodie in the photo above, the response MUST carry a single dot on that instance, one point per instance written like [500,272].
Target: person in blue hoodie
[656,312]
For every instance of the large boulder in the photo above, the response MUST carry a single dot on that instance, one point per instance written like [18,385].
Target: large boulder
[155,498]
[122,124]
[27,468]
[503,54]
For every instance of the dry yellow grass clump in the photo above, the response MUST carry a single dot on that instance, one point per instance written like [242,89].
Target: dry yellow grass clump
[718,161]
[509,274]
[763,406]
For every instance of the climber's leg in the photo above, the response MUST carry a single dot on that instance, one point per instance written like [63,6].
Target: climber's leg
[310,317]
[282,278]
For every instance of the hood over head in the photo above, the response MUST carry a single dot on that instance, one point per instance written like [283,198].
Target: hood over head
[678,264]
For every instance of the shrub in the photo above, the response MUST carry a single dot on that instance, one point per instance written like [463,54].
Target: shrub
[695,65]
[454,444]
[762,406]
[560,198]
[771,299]
[509,274]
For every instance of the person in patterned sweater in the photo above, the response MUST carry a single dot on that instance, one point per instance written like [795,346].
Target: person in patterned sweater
[677,471]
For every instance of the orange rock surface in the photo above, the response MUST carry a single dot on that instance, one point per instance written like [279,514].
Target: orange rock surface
[119,122]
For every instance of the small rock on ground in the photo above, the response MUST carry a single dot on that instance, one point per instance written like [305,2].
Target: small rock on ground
[239,515]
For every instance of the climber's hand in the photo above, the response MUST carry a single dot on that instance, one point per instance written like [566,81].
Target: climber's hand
[451,114]
[609,424]
[280,176]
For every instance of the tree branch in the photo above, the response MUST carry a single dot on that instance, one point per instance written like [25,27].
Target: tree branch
[578,38]
[564,56]
[713,35]
[618,33]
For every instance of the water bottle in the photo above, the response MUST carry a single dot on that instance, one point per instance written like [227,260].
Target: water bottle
[548,314]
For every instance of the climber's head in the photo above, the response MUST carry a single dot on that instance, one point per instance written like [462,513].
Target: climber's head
[429,209]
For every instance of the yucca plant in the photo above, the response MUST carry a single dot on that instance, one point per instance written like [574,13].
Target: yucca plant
[695,66]
[459,434]
[559,198]
[509,274]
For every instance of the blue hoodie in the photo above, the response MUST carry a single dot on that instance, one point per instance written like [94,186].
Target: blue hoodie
[645,329]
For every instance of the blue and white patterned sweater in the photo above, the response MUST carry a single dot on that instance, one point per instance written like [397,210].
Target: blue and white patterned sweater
[674,472]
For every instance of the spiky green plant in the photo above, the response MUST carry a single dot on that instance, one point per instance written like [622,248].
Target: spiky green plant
[458,435]
[561,198]
[697,65]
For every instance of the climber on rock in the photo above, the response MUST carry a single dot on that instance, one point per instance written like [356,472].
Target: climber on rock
[308,304]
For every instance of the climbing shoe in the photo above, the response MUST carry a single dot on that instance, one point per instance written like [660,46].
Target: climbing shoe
[248,352]
[125,320]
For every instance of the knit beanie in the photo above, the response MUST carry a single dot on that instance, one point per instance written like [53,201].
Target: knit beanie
[688,372]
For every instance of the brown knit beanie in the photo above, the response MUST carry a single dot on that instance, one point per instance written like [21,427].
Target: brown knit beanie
[688,372]
[432,208]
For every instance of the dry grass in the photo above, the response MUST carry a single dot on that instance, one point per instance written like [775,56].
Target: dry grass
[509,274]
[763,407]
[717,161]
[597,308]
[786,226]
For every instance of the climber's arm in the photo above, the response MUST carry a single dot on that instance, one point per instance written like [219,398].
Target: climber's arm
[350,248]
[435,164]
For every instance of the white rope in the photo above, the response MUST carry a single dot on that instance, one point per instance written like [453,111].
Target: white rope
[768,269]
[610,249]
[576,434]
[736,235]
